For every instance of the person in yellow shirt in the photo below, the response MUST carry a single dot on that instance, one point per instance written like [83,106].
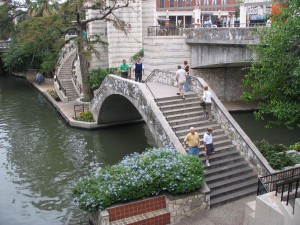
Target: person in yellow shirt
[192,141]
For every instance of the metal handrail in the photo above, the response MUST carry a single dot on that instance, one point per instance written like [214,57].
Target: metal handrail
[270,181]
[60,87]
[291,185]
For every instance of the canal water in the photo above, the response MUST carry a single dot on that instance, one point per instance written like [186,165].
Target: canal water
[41,157]
[257,131]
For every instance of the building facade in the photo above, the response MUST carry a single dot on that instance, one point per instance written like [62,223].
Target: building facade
[194,13]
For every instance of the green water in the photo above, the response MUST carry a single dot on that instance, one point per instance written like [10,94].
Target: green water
[41,157]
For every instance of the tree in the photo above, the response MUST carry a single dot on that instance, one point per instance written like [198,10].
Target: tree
[106,12]
[274,76]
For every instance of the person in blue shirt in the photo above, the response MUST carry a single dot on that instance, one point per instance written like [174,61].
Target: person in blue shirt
[138,69]
[39,78]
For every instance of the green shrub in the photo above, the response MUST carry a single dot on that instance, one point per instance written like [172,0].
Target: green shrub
[140,175]
[295,146]
[96,76]
[276,154]
[53,94]
[84,116]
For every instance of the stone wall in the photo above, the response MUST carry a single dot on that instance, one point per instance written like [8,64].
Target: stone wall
[105,108]
[226,82]
[178,207]
[165,52]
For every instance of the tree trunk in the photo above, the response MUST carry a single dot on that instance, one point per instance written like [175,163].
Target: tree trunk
[86,90]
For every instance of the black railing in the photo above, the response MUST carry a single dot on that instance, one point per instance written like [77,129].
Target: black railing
[289,187]
[78,109]
[60,87]
[284,181]
[270,181]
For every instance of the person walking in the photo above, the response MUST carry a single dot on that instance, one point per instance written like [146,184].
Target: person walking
[187,69]
[39,78]
[124,69]
[206,97]
[181,79]
[208,144]
[192,141]
[138,69]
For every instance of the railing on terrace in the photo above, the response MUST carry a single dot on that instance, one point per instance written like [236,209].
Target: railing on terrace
[180,31]
[4,44]
[268,183]
[282,182]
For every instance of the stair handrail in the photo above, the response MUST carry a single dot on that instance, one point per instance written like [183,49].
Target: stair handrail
[60,87]
[268,183]
[290,185]
[157,103]
[77,85]
[224,119]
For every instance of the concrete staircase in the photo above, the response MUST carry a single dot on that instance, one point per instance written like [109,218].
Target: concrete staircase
[65,78]
[229,177]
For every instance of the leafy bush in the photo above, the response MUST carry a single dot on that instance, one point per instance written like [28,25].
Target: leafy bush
[139,54]
[140,175]
[84,116]
[53,94]
[295,146]
[276,154]
[96,76]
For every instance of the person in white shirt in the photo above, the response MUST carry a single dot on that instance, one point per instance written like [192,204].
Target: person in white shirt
[208,144]
[181,79]
[206,97]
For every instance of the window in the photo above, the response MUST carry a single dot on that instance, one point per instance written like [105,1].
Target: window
[206,4]
[172,3]
[224,4]
[214,4]
[162,4]
[179,3]
[188,2]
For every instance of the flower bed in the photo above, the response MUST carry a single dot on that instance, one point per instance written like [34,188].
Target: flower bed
[137,176]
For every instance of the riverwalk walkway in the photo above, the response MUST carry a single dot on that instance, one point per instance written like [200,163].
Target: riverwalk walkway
[229,214]
[159,90]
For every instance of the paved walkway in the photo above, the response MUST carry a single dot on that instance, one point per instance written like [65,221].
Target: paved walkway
[229,214]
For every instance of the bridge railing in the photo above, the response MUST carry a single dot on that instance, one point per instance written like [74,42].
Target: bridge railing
[4,44]
[238,137]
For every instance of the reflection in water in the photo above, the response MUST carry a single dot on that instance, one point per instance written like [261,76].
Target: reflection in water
[256,130]
[41,157]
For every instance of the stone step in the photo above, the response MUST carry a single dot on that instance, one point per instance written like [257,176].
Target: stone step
[215,201]
[240,186]
[186,115]
[182,110]
[189,120]
[200,129]
[176,101]
[232,180]
[183,103]
[159,217]
[224,168]
[218,154]
[174,98]
[226,161]
[200,123]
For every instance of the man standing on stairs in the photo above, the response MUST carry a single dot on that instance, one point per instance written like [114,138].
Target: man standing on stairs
[192,141]
[181,79]
[206,97]
[124,69]
[208,144]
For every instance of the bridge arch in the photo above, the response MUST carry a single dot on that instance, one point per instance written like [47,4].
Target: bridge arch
[116,95]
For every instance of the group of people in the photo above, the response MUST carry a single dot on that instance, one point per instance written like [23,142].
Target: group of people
[39,78]
[138,69]
[182,77]
[193,143]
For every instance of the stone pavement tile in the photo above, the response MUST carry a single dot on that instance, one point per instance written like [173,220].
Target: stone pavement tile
[229,214]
